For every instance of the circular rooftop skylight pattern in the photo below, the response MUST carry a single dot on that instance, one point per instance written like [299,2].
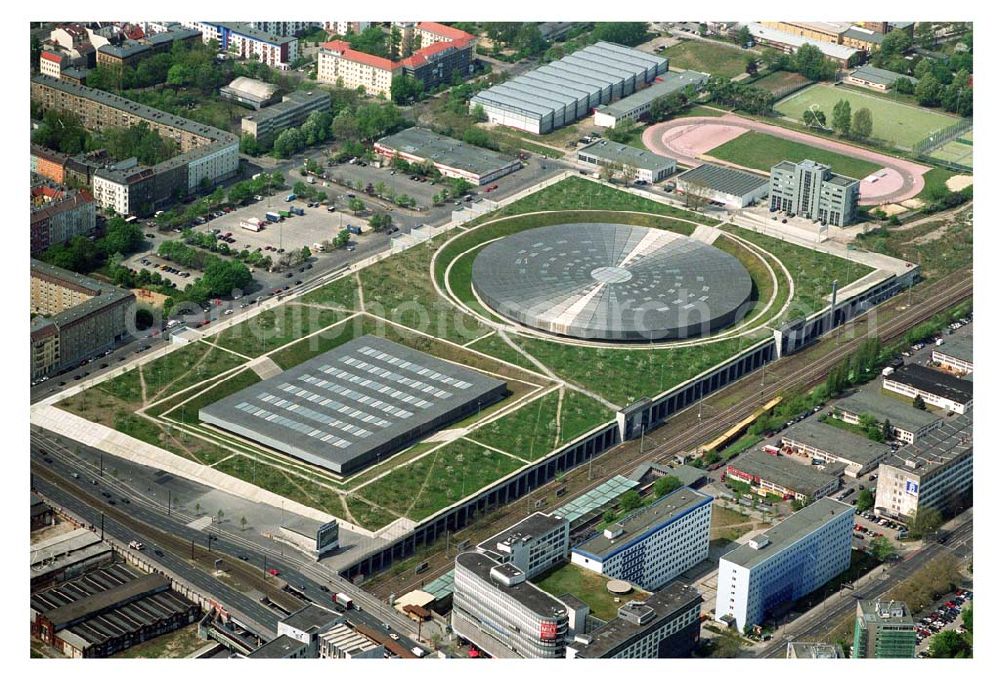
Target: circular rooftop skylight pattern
[612,282]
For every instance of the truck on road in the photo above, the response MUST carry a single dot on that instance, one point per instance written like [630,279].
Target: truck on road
[342,601]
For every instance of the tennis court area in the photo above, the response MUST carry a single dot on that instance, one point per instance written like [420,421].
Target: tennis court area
[898,123]
[958,151]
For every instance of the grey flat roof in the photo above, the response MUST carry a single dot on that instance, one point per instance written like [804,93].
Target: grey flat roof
[249,31]
[834,440]
[447,151]
[815,650]
[353,404]
[531,526]
[310,618]
[938,447]
[281,646]
[900,414]
[934,382]
[959,348]
[292,102]
[862,34]
[671,83]
[724,179]
[672,600]
[788,532]
[891,612]
[788,473]
[639,523]
[525,593]
[618,152]
[879,75]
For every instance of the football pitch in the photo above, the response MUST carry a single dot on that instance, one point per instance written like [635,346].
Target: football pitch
[897,123]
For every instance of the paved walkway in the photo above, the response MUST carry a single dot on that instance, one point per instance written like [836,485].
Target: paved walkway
[666,139]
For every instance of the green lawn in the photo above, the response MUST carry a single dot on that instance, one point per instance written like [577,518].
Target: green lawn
[588,586]
[283,483]
[956,152]
[455,470]
[188,412]
[780,82]
[897,123]
[274,328]
[707,57]
[757,150]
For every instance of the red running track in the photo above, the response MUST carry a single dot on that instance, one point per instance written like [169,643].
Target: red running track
[687,139]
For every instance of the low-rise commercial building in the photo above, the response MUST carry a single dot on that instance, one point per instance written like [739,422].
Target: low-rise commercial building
[934,387]
[566,90]
[265,125]
[641,165]
[533,545]
[955,354]
[451,157]
[777,475]
[935,472]
[58,216]
[249,92]
[654,544]
[638,105]
[784,563]
[813,650]
[811,190]
[725,185]
[444,52]
[107,611]
[343,641]
[878,79]
[883,630]
[789,43]
[829,444]
[664,625]
[66,556]
[42,514]
[74,318]
[906,423]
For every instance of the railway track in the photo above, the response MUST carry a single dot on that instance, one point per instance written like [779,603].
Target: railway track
[688,428]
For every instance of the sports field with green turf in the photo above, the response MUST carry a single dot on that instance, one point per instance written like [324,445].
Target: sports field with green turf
[898,123]
[707,57]
[757,150]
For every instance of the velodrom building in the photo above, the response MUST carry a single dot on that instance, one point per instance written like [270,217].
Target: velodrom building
[206,153]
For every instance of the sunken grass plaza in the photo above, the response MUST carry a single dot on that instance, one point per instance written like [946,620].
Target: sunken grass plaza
[428,304]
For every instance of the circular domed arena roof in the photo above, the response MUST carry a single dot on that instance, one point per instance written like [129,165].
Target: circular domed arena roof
[612,282]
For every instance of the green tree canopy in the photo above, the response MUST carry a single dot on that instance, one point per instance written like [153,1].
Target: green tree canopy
[861,126]
[665,485]
[629,33]
[842,116]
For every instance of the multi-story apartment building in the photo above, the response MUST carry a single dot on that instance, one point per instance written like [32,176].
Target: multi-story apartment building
[244,41]
[665,625]
[811,190]
[73,317]
[265,124]
[283,28]
[653,544]
[883,630]
[207,153]
[48,163]
[784,563]
[345,27]
[444,51]
[935,388]
[51,63]
[934,472]
[58,216]
[533,545]
[495,607]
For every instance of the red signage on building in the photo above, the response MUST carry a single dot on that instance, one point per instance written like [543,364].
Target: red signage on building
[548,630]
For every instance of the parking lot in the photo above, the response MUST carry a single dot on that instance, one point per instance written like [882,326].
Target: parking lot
[947,616]
[174,272]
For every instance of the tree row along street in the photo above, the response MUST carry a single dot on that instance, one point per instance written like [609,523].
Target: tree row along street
[697,425]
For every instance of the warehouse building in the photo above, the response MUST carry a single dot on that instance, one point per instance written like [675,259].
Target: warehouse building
[249,92]
[934,472]
[642,165]
[654,544]
[566,90]
[878,79]
[354,405]
[664,625]
[908,424]
[777,475]
[637,106]
[451,157]
[788,561]
[343,641]
[66,556]
[936,388]
[74,318]
[731,187]
[883,630]
[810,190]
[789,43]
[829,444]
[108,610]
[293,110]
[955,355]
[533,545]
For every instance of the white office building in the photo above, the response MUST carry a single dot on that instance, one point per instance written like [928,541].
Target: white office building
[784,563]
[533,545]
[654,544]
